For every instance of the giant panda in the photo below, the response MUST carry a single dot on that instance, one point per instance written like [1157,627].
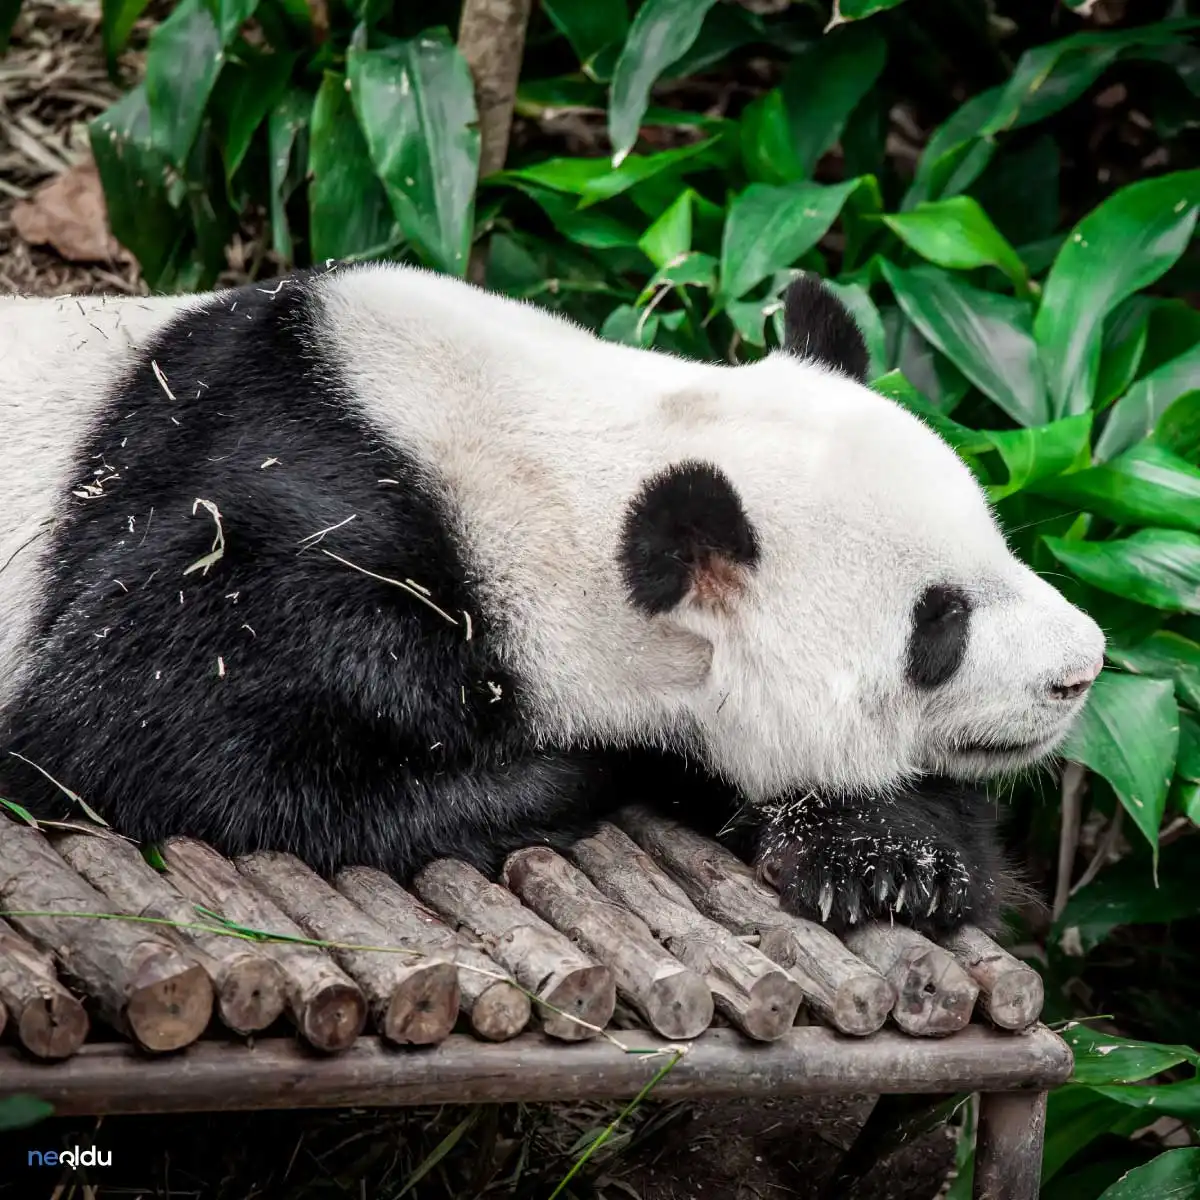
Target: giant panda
[373,565]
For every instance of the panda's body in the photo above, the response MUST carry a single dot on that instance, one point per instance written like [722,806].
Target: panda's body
[375,566]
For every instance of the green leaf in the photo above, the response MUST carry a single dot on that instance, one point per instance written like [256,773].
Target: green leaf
[1128,733]
[19,811]
[769,228]
[1075,1117]
[933,374]
[182,64]
[1119,248]
[857,10]
[823,85]
[1147,485]
[693,269]
[966,441]
[1188,764]
[440,1151]
[287,158]
[348,208]
[589,25]
[662,32]
[957,233]
[1101,1058]
[671,235]
[244,95]
[117,19]
[415,104]
[1039,454]
[596,230]
[132,172]
[1136,414]
[1178,429]
[768,142]
[1173,1175]
[232,15]
[1122,895]
[638,168]
[986,336]
[1047,78]
[20,1111]
[1122,346]
[1168,1099]
[1166,655]
[631,326]
[560,174]
[1158,567]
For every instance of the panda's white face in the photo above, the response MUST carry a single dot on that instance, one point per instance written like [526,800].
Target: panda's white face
[869,623]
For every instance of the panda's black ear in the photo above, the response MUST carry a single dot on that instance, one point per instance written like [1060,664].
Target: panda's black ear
[819,327]
[686,537]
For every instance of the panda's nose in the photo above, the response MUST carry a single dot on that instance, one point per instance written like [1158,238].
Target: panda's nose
[1072,686]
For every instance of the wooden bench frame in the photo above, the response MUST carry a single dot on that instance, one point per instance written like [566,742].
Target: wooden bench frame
[1012,1074]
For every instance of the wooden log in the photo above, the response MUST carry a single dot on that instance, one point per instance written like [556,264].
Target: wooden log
[1010,993]
[47,1020]
[757,995]
[808,1060]
[413,996]
[498,1009]
[935,995]
[576,996]
[248,984]
[144,985]
[843,990]
[324,1003]
[673,999]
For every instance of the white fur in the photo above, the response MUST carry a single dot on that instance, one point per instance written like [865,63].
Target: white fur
[58,357]
[538,433]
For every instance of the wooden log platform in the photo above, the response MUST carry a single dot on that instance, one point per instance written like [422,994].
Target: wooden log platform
[184,982]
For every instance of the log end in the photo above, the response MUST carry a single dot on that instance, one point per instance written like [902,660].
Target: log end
[424,1005]
[774,1000]
[861,1005]
[587,994]
[55,1026]
[679,1005]
[250,995]
[169,1003]
[1016,999]
[501,1012]
[332,1017]
[936,996]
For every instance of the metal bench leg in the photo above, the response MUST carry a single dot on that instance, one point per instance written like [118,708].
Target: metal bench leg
[1008,1145]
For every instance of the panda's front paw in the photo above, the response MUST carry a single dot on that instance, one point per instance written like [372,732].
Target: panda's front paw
[842,868]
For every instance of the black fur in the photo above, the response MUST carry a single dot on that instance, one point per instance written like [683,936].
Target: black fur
[351,722]
[938,642]
[819,327]
[937,840]
[679,523]
[936,835]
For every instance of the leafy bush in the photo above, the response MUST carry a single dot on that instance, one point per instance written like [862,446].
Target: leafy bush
[1023,284]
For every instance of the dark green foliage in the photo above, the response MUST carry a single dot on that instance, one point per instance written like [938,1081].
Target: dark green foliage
[1026,284]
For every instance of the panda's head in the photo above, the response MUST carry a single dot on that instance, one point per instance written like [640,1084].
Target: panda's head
[868,623]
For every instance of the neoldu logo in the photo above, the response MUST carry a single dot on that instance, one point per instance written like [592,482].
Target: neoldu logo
[91,1157]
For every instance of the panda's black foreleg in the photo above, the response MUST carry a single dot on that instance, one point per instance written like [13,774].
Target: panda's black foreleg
[928,858]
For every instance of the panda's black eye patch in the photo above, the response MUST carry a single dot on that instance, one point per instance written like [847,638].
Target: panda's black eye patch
[938,641]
